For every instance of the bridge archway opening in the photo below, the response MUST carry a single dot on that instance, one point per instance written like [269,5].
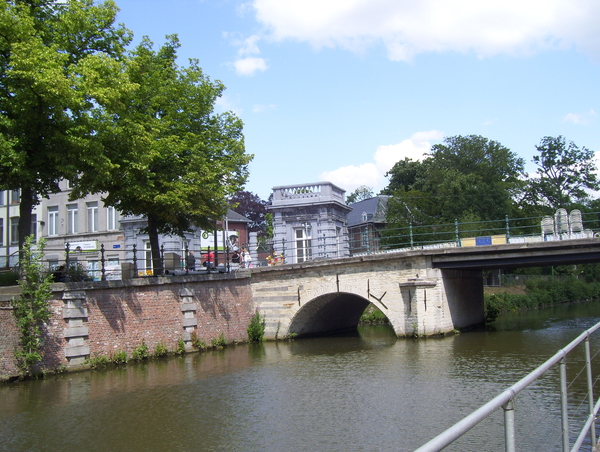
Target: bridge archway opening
[329,314]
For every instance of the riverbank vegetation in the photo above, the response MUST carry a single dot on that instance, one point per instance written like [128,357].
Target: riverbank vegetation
[572,284]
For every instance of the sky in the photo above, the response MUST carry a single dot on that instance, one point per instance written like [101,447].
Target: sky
[340,90]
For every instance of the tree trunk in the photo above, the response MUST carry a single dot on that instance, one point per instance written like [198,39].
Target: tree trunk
[157,264]
[25,207]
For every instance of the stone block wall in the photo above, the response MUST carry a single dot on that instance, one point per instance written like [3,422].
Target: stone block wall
[100,318]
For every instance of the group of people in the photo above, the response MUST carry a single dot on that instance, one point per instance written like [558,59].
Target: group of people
[243,258]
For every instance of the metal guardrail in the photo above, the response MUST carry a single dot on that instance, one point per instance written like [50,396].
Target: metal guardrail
[505,401]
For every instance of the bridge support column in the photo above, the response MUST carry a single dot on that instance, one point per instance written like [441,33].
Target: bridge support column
[463,291]
[424,308]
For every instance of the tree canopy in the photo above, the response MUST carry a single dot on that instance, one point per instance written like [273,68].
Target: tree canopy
[167,155]
[565,175]
[59,63]
[360,194]
[252,207]
[467,176]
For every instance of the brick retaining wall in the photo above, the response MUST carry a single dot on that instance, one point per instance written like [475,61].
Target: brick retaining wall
[100,318]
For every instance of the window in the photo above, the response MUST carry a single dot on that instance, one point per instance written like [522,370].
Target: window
[1,231]
[15,196]
[33,230]
[112,218]
[14,231]
[148,258]
[93,270]
[303,245]
[53,220]
[1,197]
[92,211]
[72,219]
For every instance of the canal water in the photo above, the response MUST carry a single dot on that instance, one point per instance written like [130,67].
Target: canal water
[361,392]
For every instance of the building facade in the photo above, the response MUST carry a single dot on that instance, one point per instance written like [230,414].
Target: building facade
[365,222]
[9,226]
[89,236]
[309,222]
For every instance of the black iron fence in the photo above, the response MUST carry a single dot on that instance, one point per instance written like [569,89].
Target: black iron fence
[76,264]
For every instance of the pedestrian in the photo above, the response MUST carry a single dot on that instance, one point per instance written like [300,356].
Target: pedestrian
[190,261]
[209,260]
[247,258]
[235,257]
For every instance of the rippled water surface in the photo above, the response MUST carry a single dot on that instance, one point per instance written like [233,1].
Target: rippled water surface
[363,392]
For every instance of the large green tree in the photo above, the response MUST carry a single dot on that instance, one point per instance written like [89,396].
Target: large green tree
[469,178]
[168,156]
[59,63]
[566,174]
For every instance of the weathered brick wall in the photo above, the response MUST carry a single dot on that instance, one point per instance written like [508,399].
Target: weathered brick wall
[91,319]
[9,338]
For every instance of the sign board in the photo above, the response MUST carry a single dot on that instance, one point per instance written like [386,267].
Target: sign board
[82,247]
[207,239]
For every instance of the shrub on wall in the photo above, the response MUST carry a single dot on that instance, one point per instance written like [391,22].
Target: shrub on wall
[32,308]
[256,329]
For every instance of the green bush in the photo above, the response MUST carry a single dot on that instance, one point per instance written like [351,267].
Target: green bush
[541,292]
[118,357]
[256,329]
[180,347]
[140,353]
[160,350]
[197,342]
[219,342]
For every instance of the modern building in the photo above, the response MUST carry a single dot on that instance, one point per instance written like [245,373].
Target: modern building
[309,222]
[365,222]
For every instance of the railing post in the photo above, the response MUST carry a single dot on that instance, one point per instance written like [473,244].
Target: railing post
[135,268]
[509,426]
[507,229]
[410,231]
[564,404]
[590,387]
[67,263]
[185,258]
[283,249]
[102,262]
[456,232]
[162,257]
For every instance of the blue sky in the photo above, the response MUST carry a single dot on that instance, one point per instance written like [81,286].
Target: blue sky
[339,90]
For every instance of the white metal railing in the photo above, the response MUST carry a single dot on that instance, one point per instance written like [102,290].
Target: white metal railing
[505,401]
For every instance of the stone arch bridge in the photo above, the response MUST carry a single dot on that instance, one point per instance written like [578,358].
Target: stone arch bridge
[421,292]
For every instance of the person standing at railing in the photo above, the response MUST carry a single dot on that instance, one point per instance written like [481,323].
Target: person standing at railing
[190,261]
[209,260]
[246,258]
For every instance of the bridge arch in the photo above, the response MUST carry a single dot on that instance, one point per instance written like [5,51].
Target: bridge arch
[328,313]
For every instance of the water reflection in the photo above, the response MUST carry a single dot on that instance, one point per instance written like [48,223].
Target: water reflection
[357,392]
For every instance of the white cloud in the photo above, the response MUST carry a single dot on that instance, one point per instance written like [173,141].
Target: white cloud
[372,174]
[581,118]
[408,28]
[258,108]
[249,65]
[223,104]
